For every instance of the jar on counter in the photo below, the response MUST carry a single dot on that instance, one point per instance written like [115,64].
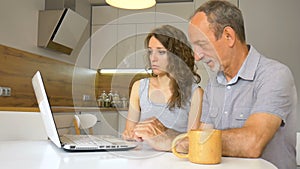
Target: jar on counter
[106,102]
[124,102]
[116,100]
[100,101]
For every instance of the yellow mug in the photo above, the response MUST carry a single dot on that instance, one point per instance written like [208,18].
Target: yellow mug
[205,146]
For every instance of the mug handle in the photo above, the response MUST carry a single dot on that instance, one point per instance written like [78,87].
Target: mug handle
[174,142]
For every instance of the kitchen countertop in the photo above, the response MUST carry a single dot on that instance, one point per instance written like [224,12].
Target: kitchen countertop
[44,154]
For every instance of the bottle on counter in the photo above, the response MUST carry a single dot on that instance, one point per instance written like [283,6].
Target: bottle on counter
[116,99]
[124,102]
[106,102]
[110,96]
[102,99]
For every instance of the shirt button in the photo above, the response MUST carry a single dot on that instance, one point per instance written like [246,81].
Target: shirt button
[225,112]
[228,87]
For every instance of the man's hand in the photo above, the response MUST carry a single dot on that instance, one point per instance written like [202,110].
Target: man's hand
[182,146]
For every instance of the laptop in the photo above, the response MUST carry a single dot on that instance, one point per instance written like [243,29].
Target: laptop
[73,142]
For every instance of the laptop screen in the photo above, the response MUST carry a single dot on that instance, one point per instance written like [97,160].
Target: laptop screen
[45,109]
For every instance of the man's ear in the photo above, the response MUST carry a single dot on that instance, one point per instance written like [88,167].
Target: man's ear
[229,35]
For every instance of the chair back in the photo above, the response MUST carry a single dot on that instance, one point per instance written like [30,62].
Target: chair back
[84,121]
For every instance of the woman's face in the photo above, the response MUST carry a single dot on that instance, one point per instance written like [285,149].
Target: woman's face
[157,56]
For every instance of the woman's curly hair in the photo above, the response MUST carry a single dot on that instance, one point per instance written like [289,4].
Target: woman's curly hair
[181,64]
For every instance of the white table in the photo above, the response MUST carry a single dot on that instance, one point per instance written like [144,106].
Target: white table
[44,155]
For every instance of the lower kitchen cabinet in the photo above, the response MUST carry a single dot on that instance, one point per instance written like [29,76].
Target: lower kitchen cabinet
[109,122]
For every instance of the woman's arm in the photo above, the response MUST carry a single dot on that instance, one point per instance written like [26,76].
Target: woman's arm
[195,109]
[133,112]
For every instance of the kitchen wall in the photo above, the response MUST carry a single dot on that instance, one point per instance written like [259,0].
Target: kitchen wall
[272,26]
[19,28]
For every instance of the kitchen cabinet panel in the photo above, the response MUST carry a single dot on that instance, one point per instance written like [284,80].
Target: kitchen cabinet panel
[104,15]
[104,46]
[108,123]
[183,26]
[174,12]
[199,2]
[236,2]
[126,53]
[126,45]
[142,32]
[133,16]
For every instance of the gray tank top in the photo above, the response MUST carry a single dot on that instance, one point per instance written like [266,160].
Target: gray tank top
[176,119]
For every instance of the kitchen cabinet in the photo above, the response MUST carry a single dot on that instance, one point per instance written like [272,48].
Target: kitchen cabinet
[102,15]
[199,2]
[118,37]
[104,46]
[142,32]
[107,123]
[173,12]
[126,34]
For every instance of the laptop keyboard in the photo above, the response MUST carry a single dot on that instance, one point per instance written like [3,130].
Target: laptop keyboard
[87,139]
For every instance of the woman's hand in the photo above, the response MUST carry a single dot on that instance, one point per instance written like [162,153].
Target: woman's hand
[129,135]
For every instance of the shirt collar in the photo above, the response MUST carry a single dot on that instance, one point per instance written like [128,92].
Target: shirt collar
[246,72]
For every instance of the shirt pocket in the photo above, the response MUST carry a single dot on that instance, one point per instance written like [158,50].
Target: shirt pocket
[239,117]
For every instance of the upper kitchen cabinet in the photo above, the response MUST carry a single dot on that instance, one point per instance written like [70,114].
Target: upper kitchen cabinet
[102,15]
[199,2]
[104,46]
[115,36]
[126,45]
[173,12]
[136,16]
[140,53]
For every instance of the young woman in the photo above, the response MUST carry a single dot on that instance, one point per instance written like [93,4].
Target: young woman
[172,94]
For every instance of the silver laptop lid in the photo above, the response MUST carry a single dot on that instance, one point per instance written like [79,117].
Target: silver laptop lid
[51,127]
[44,106]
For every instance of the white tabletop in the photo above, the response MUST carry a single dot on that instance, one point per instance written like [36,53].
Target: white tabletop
[44,155]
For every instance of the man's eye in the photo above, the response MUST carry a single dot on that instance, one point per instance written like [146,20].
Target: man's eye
[203,45]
